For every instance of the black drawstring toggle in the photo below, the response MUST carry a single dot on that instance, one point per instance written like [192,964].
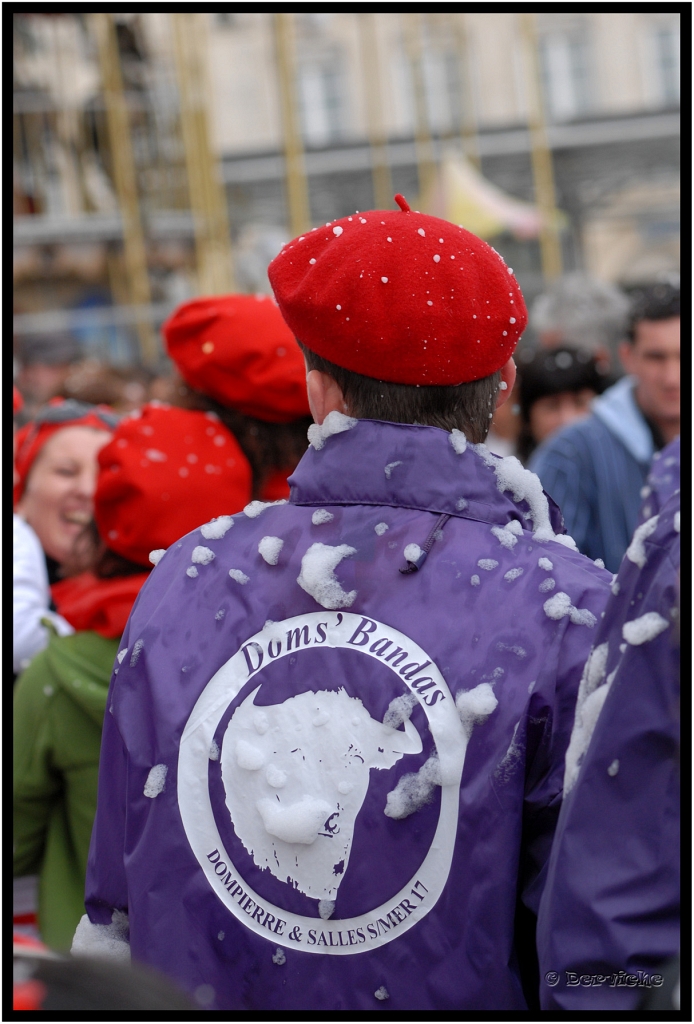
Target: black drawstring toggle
[424,551]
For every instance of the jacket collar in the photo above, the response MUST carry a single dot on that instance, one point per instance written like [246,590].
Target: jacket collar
[407,466]
[618,410]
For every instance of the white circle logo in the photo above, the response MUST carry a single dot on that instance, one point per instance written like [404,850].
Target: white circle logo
[295,776]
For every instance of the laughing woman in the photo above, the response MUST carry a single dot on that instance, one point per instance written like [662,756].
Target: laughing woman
[56,471]
[164,472]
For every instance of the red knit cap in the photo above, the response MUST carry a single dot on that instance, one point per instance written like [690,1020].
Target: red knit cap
[402,297]
[166,471]
[55,416]
[238,350]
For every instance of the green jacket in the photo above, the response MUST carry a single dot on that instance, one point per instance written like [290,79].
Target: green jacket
[59,704]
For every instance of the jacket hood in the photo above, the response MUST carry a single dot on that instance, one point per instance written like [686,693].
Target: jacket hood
[82,664]
[618,410]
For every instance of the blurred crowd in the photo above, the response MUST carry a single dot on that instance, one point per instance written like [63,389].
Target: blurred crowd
[112,466]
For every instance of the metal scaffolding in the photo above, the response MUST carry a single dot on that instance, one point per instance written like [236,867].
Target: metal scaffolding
[468,120]
[125,181]
[295,170]
[207,199]
[541,154]
[424,146]
[380,169]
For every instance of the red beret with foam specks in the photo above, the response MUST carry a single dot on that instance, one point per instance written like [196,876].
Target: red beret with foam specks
[166,471]
[400,296]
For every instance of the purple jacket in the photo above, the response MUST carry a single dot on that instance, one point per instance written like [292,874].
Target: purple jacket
[324,781]
[611,903]
[663,480]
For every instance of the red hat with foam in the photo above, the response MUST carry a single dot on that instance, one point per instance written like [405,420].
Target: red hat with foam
[238,350]
[165,472]
[400,296]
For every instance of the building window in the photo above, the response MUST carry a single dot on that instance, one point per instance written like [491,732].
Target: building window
[667,60]
[321,100]
[441,76]
[566,75]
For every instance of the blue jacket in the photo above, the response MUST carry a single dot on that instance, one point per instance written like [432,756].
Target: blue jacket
[324,782]
[595,470]
[611,903]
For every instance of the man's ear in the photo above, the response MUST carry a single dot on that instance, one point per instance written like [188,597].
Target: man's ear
[324,395]
[508,377]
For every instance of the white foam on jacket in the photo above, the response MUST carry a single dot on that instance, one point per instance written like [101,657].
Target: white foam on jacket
[475,706]
[216,529]
[636,552]
[334,423]
[558,606]
[202,555]
[103,941]
[155,781]
[317,576]
[269,548]
[647,627]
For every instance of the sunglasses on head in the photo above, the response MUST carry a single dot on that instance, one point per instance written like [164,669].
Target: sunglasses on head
[70,409]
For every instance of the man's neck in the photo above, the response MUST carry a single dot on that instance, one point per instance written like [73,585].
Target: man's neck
[663,431]
[669,429]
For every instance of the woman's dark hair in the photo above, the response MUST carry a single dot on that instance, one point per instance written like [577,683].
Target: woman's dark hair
[468,407]
[269,447]
[90,554]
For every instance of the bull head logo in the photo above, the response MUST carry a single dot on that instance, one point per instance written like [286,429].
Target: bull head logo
[296,775]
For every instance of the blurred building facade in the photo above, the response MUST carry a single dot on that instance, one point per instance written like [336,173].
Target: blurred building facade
[338,108]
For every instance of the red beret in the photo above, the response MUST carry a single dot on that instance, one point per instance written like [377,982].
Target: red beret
[401,297]
[55,416]
[166,471]
[238,350]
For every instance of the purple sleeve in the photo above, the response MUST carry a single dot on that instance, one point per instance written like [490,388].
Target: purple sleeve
[550,721]
[609,916]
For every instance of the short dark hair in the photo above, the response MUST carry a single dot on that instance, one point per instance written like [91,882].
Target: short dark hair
[468,407]
[653,302]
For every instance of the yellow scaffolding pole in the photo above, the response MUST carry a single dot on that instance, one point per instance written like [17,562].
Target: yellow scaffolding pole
[468,121]
[125,181]
[295,169]
[380,169]
[424,146]
[207,198]
[541,155]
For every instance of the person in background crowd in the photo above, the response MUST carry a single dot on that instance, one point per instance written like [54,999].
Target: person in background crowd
[121,388]
[44,364]
[611,905]
[30,594]
[161,474]
[556,387]
[504,432]
[55,467]
[595,469]
[238,358]
[384,782]
[582,312]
